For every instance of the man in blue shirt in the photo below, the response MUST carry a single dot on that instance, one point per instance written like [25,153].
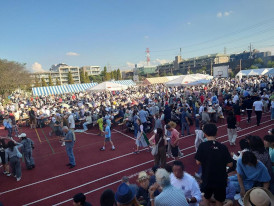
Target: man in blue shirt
[143,117]
[69,143]
[8,125]
[107,137]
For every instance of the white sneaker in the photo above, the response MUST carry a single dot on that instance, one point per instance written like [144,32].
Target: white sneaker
[63,144]
[113,148]
[18,179]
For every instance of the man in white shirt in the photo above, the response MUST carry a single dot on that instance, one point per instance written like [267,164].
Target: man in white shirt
[258,107]
[235,98]
[184,181]
[71,124]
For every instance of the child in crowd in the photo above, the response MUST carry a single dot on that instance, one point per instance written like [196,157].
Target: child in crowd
[107,133]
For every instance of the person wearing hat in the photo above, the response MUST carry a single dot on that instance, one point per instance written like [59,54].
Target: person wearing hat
[126,195]
[258,196]
[27,148]
[143,194]
[80,200]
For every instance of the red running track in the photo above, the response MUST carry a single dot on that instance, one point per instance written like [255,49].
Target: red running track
[52,183]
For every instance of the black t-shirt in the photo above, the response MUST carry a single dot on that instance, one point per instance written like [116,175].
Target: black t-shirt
[237,109]
[143,196]
[231,122]
[214,157]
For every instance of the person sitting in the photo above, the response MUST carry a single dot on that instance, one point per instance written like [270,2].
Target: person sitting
[142,192]
[249,172]
[80,200]
[184,181]
[88,121]
[170,194]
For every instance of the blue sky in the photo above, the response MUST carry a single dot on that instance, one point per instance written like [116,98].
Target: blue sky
[117,32]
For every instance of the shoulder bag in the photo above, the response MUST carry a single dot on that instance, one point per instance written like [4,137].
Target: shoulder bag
[154,150]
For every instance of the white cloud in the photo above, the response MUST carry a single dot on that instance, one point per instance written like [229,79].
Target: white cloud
[161,61]
[188,23]
[219,14]
[36,67]
[146,37]
[72,54]
[155,62]
[227,13]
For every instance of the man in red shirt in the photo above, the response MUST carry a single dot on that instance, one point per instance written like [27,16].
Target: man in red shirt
[174,141]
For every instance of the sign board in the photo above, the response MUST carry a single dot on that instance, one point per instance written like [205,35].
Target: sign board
[220,71]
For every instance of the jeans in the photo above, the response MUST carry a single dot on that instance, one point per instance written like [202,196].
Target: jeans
[185,126]
[85,125]
[272,113]
[28,158]
[259,117]
[9,132]
[135,129]
[15,165]
[70,155]
[249,112]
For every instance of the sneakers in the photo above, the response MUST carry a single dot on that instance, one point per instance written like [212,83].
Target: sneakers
[63,144]
[112,148]
[5,172]
[18,179]
[8,174]
[102,149]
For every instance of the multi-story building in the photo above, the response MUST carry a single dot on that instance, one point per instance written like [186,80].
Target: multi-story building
[64,70]
[249,55]
[91,70]
[40,75]
[171,67]
[187,65]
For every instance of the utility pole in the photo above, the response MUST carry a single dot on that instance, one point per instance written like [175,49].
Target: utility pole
[240,64]
[211,67]
[180,51]
[250,51]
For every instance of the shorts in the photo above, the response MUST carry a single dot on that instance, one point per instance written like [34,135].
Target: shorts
[107,139]
[3,159]
[238,118]
[219,193]
[174,151]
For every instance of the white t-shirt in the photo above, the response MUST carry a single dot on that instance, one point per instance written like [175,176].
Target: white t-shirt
[235,98]
[189,186]
[258,105]
[71,121]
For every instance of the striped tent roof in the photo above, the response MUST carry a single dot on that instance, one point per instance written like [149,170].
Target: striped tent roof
[62,89]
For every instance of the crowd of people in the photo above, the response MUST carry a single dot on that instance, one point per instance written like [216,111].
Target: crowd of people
[169,114]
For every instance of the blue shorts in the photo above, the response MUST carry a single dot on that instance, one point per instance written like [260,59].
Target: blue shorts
[107,139]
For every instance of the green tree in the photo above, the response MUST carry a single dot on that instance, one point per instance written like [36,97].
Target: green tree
[13,75]
[87,80]
[57,81]
[96,78]
[104,73]
[50,81]
[169,74]
[44,84]
[163,74]
[37,84]
[259,61]
[112,74]
[270,64]
[202,70]
[115,74]
[70,78]
[108,76]
[119,75]
[82,76]
[254,67]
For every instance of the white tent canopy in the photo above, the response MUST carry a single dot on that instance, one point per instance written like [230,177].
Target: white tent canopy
[192,79]
[107,86]
[253,72]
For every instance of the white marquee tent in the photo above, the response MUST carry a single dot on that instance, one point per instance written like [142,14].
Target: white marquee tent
[107,86]
[192,79]
[253,72]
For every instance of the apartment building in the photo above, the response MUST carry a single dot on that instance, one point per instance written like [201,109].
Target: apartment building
[91,70]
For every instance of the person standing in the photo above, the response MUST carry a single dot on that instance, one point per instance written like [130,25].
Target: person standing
[184,122]
[248,105]
[140,140]
[71,124]
[5,164]
[174,141]
[13,155]
[27,148]
[214,157]
[231,128]
[237,113]
[272,109]
[32,118]
[160,140]
[8,125]
[107,137]
[69,143]
[143,117]
[258,107]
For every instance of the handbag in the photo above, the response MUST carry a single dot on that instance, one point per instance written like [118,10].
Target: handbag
[154,150]
[19,155]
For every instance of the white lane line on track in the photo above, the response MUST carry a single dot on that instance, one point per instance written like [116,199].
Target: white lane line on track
[92,165]
[144,163]
[124,134]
